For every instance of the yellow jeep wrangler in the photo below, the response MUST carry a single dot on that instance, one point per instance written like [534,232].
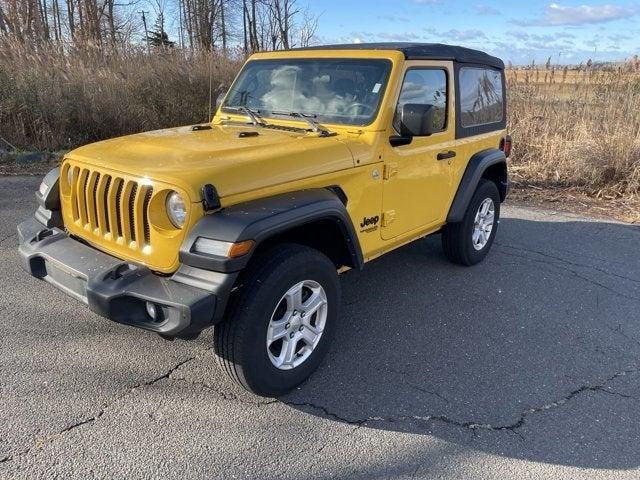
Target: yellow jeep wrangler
[317,161]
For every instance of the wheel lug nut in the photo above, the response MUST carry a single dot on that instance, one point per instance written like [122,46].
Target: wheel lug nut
[301,328]
[303,314]
[287,326]
[291,335]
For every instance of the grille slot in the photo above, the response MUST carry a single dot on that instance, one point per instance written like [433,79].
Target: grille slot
[105,203]
[132,210]
[145,216]
[93,218]
[118,212]
[112,207]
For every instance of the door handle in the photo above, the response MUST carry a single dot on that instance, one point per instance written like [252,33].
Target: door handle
[446,155]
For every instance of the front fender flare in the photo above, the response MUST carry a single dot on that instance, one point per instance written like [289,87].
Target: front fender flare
[258,220]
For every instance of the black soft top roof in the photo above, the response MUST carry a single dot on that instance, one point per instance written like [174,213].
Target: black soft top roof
[422,51]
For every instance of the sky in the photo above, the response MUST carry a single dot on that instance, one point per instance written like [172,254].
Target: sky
[569,32]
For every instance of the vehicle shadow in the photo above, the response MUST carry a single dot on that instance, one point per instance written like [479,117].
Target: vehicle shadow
[533,354]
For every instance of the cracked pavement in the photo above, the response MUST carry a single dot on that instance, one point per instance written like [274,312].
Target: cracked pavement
[526,366]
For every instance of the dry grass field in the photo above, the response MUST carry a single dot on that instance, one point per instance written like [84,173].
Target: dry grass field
[577,129]
[50,100]
[574,130]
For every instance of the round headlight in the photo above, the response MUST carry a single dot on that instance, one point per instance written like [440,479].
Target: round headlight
[176,209]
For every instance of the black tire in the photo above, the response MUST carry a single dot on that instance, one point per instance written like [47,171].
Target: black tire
[240,339]
[457,241]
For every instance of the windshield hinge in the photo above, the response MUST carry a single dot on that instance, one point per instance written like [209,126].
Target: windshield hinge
[388,218]
[390,170]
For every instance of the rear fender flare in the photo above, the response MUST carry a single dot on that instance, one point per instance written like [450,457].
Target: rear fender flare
[477,166]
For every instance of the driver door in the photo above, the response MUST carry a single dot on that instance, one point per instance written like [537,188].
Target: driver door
[418,175]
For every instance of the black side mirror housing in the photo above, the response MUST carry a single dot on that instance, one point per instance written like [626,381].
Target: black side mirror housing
[416,120]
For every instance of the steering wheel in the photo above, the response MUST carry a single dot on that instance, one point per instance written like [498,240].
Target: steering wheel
[357,108]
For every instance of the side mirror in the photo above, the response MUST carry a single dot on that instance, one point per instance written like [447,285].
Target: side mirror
[416,120]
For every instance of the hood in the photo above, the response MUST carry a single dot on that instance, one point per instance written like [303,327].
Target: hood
[224,156]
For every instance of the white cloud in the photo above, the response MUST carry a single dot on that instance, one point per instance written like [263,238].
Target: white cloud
[485,10]
[458,35]
[519,35]
[399,37]
[618,37]
[556,14]
[394,18]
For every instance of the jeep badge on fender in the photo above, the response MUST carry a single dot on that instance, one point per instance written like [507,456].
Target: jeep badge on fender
[369,224]
[244,223]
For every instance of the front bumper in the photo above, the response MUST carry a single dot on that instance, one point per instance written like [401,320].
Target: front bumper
[186,303]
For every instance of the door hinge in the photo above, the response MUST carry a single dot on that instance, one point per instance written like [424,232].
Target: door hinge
[390,170]
[388,217]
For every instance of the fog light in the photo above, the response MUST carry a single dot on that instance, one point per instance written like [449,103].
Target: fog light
[152,311]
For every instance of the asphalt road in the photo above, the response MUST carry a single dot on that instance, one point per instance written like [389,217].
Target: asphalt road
[527,366]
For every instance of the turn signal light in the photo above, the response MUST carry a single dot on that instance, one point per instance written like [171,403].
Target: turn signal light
[223,249]
[240,249]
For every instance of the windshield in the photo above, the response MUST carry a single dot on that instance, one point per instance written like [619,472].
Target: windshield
[338,91]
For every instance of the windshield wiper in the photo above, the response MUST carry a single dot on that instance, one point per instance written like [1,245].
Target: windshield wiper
[310,119]
[253,115]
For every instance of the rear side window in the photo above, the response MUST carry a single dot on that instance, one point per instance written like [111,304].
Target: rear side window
[425,86]
[481,96]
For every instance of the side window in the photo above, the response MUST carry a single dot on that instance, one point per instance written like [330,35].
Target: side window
[481,96]
[425,87]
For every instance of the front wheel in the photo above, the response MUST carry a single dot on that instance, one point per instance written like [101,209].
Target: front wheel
[470,240]
[281,321]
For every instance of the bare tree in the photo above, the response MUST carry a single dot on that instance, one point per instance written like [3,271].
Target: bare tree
[283,12]
[223,25]
[308,28]
[200,24]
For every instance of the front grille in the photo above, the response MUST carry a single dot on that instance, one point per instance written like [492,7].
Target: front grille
[112,207]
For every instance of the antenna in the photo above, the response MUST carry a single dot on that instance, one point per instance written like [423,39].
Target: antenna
[210,82]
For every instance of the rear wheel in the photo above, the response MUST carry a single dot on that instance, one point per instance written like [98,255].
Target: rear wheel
[469,241]
[281,320]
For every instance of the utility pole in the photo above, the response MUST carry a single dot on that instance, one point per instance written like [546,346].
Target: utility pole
[146,32]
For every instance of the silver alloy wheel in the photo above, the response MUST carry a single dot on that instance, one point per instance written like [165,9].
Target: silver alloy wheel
[296,324]
[483,224]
